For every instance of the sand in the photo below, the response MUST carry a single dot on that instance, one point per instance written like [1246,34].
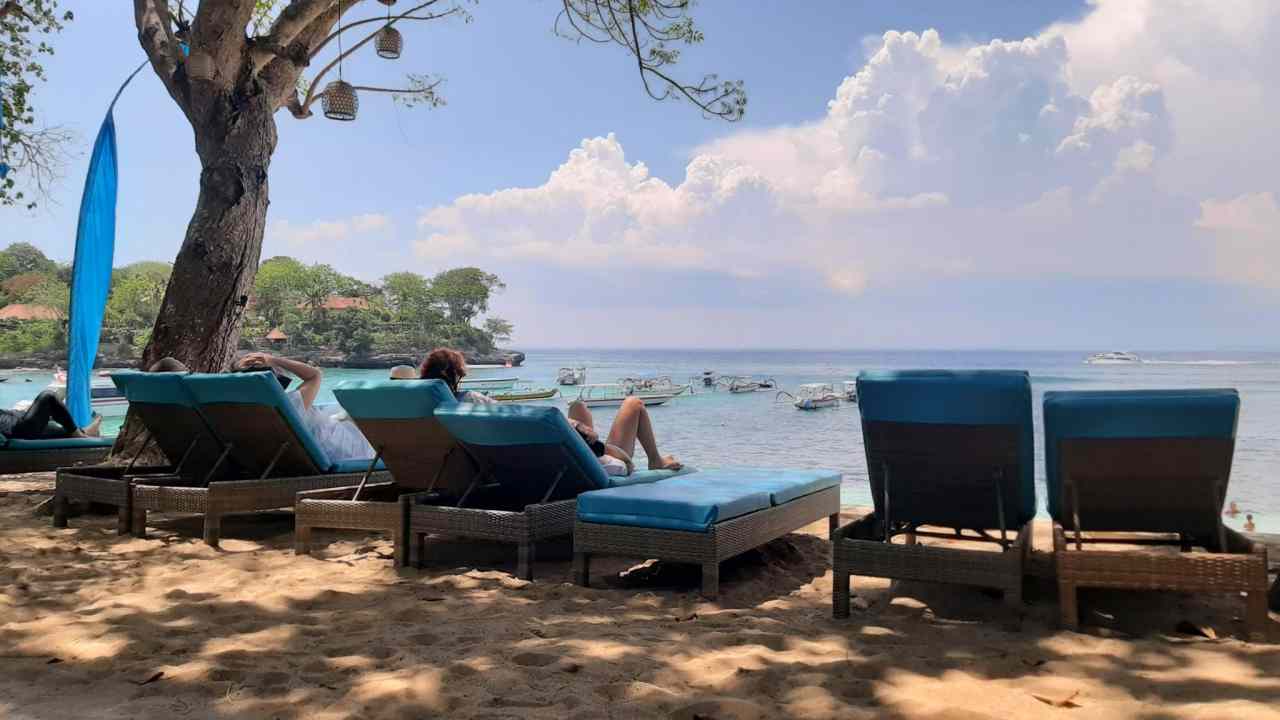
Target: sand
[97,626]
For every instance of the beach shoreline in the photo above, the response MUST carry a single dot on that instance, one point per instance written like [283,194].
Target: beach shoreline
[100,626]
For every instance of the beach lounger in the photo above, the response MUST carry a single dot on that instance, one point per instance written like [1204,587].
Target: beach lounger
[25,456]
[530,467]
[173,424]
[946,450]
[1154,462]
[398,419]
[266,441]
[702,519]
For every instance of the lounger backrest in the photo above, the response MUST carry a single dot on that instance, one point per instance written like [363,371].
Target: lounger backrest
[944,441]
[398,419]
[250,412]
[165,406]
[1140,460]
[526,448]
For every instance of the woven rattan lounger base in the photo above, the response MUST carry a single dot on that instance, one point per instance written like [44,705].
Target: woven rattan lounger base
[929,563]
[334,509]
[227,497]
[28,461]
[1242,569]
[721,541]
[523,527]
[105,485]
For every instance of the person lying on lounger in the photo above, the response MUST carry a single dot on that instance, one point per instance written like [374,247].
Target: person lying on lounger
[340,439]
[632,423]
[450,367]
[47,418]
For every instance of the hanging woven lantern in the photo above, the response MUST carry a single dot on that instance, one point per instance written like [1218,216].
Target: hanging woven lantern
[389,43]
[339,101]
[388,3]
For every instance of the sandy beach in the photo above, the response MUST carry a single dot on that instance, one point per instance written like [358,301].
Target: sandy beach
[93,625]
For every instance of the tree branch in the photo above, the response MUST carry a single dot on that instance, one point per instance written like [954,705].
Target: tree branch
[218,31]
[406,15]
[152,37]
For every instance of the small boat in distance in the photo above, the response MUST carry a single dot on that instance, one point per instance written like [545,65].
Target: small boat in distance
[103,393]
[813,396]
[516,395]
[613,394]
[709,378]
[485,384]
[662,385]
[1112,358]
[851,390]
[571,376]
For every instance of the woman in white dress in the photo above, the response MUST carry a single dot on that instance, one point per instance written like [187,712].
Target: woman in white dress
[339,437]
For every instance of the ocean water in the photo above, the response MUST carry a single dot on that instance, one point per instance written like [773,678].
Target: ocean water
[709,429]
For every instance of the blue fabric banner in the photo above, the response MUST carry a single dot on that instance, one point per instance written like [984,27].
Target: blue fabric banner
[91,272]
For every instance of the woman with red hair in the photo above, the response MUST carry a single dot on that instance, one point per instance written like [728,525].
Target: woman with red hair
[449,366]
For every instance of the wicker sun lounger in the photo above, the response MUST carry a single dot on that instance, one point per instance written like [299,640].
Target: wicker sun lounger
[1154,462]
[397,417]
[946,450]
[702,519]
[530,467]
[267,443]
[174,425]
[26,456]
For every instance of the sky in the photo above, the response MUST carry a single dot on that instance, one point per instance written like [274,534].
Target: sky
[1059,174]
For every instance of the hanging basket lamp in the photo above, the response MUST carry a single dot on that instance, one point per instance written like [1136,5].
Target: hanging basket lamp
[388,3]
[339,101]
[390,42]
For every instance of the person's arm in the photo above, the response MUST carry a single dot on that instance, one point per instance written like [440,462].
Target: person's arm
[615,451]
[311,377]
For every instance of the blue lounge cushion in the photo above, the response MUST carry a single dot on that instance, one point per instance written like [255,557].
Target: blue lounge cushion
[492,427]
[648,476]
[355,465]
[58,443]
[392,399]
[156,388]
[696,502]
[958,397]
[1192,413]
[255,388]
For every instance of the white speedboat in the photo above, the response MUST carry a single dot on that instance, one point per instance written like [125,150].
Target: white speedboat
[657,386]
[571,376]
[814,396]
[614,394]
[1113,358]
[851,391]
[485,384]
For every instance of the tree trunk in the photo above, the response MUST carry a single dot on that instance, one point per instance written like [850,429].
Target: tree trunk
[200,317]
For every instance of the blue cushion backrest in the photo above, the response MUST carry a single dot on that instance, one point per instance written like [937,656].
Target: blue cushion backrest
[956,397]
[1210,413]
[392,399]
[493,427]
[156,388]
[255,388]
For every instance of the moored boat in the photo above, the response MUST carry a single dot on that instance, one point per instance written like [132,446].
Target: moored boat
[613,394]
[523,394]
[485,384]
[814,396]
[571,376]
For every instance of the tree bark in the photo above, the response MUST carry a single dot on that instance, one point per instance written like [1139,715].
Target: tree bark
[200,317]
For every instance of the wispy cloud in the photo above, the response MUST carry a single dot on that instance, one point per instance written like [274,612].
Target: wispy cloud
[327,231]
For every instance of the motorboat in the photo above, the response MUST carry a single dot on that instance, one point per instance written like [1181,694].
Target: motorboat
[814,396]
[104,397]
[525,394]
[747,384]
[851,391]
[614,394]
[662,385]
[571,376]
[1113,358]
[709,378]
[485,384]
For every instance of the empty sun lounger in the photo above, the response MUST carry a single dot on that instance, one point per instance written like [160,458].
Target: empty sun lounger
[173,424]
[704,518]
[398,419]
[530,467]
[266,441]
[949,450]
[1154,462]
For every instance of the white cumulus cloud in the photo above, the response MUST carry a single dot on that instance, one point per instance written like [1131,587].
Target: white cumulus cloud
[1246,231]
[327,231]
[1067,153]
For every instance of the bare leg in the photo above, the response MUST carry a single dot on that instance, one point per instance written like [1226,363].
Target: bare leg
[631,424]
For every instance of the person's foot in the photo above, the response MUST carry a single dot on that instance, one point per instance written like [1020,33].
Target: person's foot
[666,462]
[94,428]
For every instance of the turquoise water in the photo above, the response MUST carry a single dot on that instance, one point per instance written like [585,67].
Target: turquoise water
[709,429]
